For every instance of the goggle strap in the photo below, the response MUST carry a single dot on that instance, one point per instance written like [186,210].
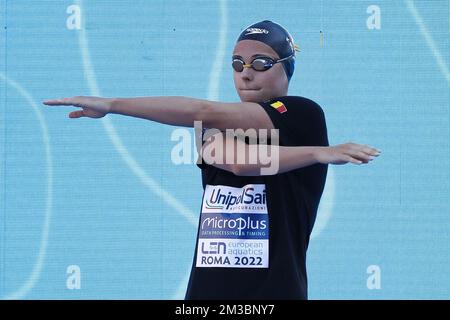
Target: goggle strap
[280,60]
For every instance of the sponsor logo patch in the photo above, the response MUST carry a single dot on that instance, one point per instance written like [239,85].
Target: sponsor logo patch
[279,106]
[234,227]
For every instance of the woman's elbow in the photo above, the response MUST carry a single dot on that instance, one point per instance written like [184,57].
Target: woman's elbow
[245,170]
[255,170]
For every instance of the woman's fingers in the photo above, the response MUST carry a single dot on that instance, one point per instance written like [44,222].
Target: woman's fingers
[371,150]
[351,153]
[353,160]
[364,156]
[363,147]
[358,157]
[58,102]
[355,153]
[76,114]
[362,152]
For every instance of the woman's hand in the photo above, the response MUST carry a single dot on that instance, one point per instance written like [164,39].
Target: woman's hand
[92,107]
[347,152]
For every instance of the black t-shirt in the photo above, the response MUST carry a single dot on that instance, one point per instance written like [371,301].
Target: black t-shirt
[254,230]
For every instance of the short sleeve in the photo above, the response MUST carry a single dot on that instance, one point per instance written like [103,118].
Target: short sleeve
[300,121]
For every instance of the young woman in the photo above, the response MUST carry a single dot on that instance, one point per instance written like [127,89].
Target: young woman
[254,224]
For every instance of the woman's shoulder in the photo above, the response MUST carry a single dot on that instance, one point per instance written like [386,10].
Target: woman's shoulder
[299,103]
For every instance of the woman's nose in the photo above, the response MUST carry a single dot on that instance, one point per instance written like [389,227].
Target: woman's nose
[247,73]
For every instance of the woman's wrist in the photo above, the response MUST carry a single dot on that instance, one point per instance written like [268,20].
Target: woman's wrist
[318,152]
[113,104]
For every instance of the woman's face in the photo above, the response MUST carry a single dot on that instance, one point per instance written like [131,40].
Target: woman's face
[258,86]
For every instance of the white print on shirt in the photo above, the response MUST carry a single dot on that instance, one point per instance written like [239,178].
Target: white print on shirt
[234,227]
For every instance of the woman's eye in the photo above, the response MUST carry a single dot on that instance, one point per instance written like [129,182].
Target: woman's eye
[261,60]
[265,59]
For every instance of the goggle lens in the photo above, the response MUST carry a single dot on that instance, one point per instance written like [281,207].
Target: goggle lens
[259,64]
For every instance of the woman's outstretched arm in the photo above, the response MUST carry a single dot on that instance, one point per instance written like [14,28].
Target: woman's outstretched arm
[177,111]
[234,155]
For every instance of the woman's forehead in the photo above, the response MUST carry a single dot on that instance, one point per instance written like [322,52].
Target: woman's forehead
[249,48]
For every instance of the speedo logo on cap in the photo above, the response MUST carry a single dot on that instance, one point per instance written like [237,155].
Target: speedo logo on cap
[256,31]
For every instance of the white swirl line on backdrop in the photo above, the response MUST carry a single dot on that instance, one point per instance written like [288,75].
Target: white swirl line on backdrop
[213,94]
[325,205]
[429,40]
[132,163]
[120,147]
[37,268]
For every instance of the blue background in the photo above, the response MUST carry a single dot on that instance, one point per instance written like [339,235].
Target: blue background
[103,194]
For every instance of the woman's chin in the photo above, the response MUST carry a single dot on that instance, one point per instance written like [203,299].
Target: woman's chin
[250,95]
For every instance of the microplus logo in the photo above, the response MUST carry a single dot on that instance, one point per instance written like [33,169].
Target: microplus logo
[248,199]
[234,223]
[256,31]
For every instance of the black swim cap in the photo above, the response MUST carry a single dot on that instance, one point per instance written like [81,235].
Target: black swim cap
[276,37]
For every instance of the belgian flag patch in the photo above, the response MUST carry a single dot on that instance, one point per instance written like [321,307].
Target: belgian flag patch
[279,106]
